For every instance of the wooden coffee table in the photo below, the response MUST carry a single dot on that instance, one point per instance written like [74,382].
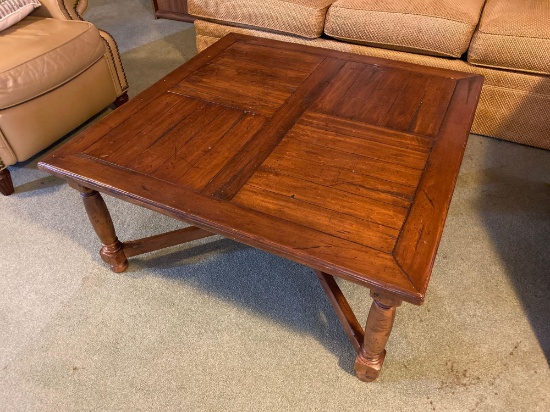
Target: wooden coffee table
[341,162]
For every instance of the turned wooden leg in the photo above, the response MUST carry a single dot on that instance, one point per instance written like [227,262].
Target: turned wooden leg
[120,100]
[111,252]
[377,331]
[6,184]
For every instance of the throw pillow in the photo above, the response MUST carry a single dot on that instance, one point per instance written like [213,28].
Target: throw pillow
[13,11]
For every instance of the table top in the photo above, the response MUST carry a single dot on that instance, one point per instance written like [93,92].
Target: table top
[342,162]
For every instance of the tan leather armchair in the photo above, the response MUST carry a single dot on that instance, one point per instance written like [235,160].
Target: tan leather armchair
[56,71]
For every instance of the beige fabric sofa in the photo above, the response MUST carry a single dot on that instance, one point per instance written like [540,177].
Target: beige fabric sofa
[506,41]
[56,71]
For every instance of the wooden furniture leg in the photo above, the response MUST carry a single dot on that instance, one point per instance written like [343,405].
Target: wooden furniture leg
[172,9]
[6,184]
[120,100]
[116,253]
[369,344]
[370,358]
[112,250]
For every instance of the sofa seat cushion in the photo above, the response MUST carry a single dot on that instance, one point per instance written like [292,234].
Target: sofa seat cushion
[441,28]
[513,35]
[40,54]
[304,18]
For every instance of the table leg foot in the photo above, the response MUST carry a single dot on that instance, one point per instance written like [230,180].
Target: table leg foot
[6,184]
[112,251]
[368,369]
[114,256]
[120,100]
[370,358]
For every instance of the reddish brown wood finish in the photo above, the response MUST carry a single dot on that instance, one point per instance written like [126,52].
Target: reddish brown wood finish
[172,9]
[111,251]
[341,162]
[152,243]
[341,306]
[6,184]
[370,344]
[371,356]
[120,100]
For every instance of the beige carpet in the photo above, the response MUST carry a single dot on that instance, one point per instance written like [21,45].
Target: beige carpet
[202,328]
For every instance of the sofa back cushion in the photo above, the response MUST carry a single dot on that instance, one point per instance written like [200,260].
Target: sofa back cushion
[513,35]
[304,18]
[441,28]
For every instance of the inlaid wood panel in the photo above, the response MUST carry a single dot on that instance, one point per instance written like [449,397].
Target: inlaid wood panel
[300,189]
[344,163]
[349,160]
[342,179]
[396,98]
[252,79]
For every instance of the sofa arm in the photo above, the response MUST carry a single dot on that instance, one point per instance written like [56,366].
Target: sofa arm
[62,9]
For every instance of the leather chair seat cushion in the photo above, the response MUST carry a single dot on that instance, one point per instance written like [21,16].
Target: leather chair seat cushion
[440,28]
[304,18]
[513,35]
[40,54]
[28,128]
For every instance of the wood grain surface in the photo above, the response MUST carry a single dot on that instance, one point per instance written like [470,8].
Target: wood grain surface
[341,162]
